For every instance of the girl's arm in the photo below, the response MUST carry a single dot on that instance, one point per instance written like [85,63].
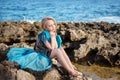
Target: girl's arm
[53,44]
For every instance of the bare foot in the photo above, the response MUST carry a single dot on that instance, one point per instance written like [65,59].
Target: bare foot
[79,73]
[76,73]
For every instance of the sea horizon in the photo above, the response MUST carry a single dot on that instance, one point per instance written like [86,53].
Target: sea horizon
[61,10]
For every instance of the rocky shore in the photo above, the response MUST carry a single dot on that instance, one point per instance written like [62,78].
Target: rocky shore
[88,43]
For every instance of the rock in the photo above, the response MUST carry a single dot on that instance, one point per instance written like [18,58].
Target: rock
[52,74]
[23,75]
[90,42]
[76,35]
[11,33]
[3,50]
[22,44]
[117,57]
[94,41]
[7,73]
[12,71]
[37,25]
[2,72]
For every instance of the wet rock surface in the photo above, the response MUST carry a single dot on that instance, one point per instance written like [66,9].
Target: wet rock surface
[93,43]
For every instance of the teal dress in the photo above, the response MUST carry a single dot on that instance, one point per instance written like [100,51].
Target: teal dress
[36,59]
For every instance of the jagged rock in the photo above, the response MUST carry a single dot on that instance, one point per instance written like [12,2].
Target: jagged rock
[3,50]
[108,56]
[11,33]
[94,41]
[90,42]
[117,63]
[23,75]
[52,74]
[7,73]
[76,35]
[23,44]
[12,71]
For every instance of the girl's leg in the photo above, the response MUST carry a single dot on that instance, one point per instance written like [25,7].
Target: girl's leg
[61,59]
[68,60]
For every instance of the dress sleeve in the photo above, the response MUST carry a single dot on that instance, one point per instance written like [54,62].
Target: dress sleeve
[59,41]
[44,36]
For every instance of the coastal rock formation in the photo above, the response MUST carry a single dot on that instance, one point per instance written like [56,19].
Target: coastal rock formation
[92,43]
[12,71]
[99,42]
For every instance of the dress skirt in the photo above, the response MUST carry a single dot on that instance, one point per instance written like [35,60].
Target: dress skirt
[29,58]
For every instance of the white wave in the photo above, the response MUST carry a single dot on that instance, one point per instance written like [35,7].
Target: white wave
[111,19]
[28,20]
[31,21]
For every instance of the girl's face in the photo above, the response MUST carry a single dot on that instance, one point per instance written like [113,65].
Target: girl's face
[50,25]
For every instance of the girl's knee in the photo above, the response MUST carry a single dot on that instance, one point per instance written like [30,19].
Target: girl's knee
[56,51]
[61,48]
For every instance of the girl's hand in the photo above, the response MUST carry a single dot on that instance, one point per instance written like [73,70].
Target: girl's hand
[53,33]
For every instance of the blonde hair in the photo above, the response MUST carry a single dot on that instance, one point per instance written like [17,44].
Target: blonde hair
[43,22]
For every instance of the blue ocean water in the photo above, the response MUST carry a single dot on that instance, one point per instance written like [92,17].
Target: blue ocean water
[61,10]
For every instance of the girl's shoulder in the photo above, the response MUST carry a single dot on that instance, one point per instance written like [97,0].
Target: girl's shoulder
[58,38]
[44,33]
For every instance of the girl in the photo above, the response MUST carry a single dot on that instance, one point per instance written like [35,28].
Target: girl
[50,43]
[47,46]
